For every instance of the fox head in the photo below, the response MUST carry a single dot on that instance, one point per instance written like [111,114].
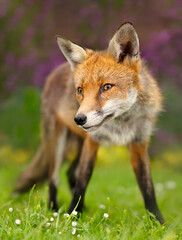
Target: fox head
[106,82]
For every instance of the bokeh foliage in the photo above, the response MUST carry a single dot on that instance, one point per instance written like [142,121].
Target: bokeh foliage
[29,53]
[20,118]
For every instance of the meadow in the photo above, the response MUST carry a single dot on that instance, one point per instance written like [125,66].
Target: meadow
[113,205]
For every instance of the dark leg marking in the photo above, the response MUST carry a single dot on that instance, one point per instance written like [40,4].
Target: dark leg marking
[141,165]
[80,189]
[85,168]
[71,173]
[53,197]
[146,186]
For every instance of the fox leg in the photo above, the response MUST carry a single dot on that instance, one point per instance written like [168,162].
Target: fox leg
[85,167]
[141,166]
[55,150]
[71,173]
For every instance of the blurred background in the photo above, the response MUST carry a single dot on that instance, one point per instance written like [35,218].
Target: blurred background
[29,53]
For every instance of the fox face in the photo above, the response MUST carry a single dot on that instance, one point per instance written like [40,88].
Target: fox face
[106,83]
[104,88]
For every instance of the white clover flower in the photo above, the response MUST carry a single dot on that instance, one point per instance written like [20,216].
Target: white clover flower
[66,215]
[74,212]
[73,231]
[55,214]
[106,215]
[102,206]
[170,184]
[120,190]
[17,221]
[52,219]
[48,224]
[10,209]
[159,187]
[74,224]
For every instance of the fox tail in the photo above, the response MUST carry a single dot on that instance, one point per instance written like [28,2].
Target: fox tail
[37,171]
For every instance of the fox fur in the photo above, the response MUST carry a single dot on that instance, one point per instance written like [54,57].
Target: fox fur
[117,101]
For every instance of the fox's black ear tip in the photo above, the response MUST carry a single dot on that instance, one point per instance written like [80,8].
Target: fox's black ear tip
[125,24]
[130,23]
[57,37]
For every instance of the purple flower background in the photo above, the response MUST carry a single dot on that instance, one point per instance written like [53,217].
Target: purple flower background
[29,51]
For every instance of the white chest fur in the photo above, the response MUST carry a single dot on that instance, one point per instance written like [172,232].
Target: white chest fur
[123,130]
[117,132]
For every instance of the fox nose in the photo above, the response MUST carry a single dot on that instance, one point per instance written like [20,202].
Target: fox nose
[80,119]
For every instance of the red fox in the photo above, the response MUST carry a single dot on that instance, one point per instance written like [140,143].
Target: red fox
[116,102]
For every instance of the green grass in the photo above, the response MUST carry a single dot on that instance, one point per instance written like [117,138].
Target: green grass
[112,185]
[20,119]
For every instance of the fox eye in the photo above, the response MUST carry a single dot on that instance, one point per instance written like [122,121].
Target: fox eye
[106,87]
[79,90]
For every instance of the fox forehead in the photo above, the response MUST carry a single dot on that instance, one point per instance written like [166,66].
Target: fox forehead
[100,67]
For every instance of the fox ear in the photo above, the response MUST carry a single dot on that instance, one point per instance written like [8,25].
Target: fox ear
[124,44]
[72,52]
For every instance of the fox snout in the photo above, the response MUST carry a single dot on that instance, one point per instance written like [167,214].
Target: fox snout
[80,119]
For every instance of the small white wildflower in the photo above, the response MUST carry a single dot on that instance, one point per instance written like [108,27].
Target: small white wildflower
[48,224]
[102,206]
[55,214]
[78,235]
[17,221]
[10,209]
[66,215]
[170,184]
[74,224]
[73,231]
[120,190]
[106,215]
[52,219]
[59,233]
[74,212]
[159,187]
